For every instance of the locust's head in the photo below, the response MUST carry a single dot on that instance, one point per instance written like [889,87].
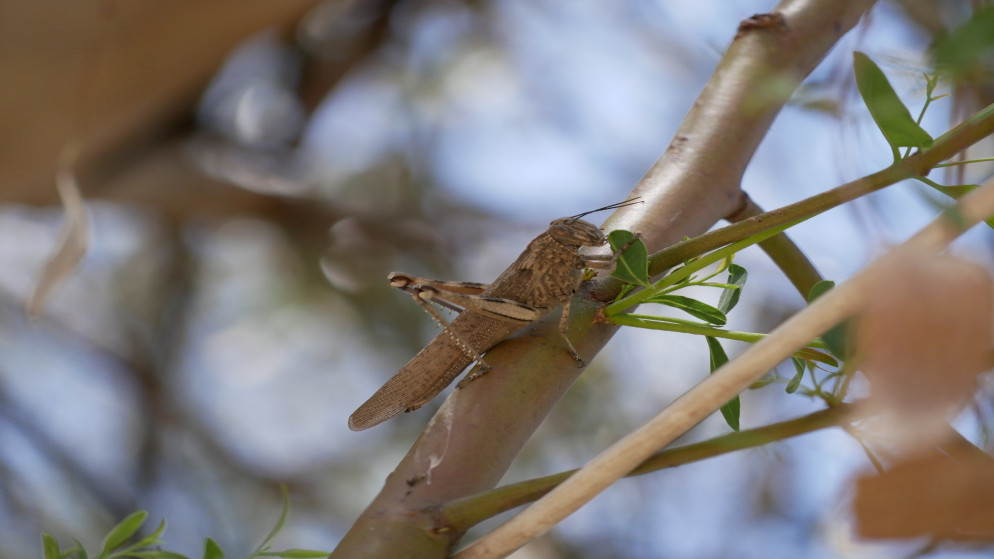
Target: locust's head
[574,232]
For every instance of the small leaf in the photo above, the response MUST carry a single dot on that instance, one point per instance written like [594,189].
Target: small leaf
[161,529]
[809,354]
[212,550]
[966,50]
[632,265]
[836,338]
[732,408]
[886,108]
[50,546]
[800,366]
[730,297]
[764,380]
[282,520]
[930,83]
[78,550]
[151,539]
[124,530]
[626,288]
[693,307]
[819,289]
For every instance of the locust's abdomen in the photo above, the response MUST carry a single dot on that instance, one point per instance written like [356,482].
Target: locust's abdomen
[431,370]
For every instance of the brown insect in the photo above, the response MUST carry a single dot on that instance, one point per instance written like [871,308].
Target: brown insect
[545,275]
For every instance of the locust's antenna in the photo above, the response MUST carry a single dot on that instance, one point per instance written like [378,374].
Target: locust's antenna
[629,202]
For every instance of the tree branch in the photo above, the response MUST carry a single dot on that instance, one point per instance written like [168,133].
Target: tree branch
[465,513]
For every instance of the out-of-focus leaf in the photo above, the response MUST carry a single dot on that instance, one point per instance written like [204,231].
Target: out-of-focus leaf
[212,550]
[632,265]
[967,50]
[809,354]
[737,275]
[819,289]
[50,546]
[922,339]
[124,530]
[282,519]
[693,307]
[732,408]
[764,380]
[886,108]
[794,383]
[78,550]
[74,240]
[942,495]
[836,338]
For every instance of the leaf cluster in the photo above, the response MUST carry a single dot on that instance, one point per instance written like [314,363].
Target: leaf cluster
[115,544]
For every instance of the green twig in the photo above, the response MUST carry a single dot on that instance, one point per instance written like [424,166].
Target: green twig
[972,130]
[461,514]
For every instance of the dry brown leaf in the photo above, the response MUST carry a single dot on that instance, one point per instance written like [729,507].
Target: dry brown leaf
[75,236]
[923,338]
[946,494]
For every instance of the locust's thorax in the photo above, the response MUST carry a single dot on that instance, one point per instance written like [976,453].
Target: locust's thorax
[574,232]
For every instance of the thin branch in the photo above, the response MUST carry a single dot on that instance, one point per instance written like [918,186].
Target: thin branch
[976,128]
[464,513]
[785,254]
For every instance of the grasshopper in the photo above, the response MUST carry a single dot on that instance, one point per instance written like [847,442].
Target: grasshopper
[545,275]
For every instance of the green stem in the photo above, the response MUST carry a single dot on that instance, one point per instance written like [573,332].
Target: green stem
[688,269]
[967,133]
[461,514]
[658,323]
[964,162]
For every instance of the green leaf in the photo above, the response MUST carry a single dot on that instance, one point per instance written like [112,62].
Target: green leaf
[282,520]
[632,265]
[161,529]
[730,297]
[77,549]
[930,83]
[50,546]
[886,108]
[732,408]
[819,289]
[297,554]
[151,539]
[799,366]
[212,550]
[809,354]
[966,50]
[124,530]
[764,380]
[836,338]
[693,307]
[626,288]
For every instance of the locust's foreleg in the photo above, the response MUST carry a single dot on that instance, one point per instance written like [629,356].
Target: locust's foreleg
[590,261]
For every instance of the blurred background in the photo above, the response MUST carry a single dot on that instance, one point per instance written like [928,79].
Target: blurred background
[254,169]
